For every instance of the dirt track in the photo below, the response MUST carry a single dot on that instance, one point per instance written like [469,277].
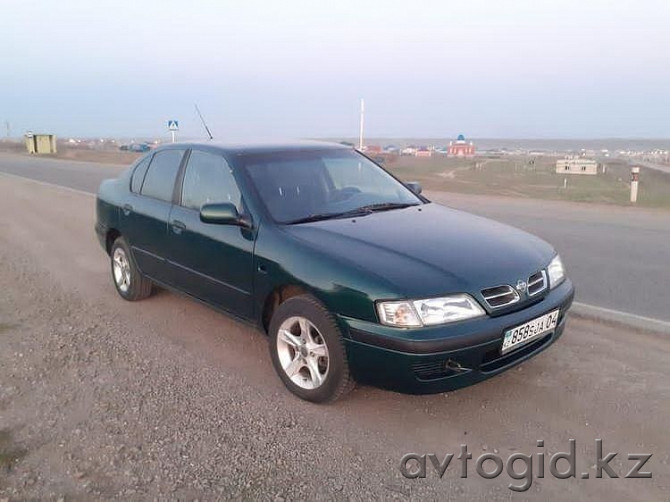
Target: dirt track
[100,398]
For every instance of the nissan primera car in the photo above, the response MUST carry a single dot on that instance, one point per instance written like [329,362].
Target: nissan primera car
[353,275]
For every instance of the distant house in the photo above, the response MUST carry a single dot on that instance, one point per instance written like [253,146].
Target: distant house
[461,148]
[372,149]
[424,152]
[576,165]
[410,150]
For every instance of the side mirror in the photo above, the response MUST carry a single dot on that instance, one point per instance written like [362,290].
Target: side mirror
[223,213]
[414,186]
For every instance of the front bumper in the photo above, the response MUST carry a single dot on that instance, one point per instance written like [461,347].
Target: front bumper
[438,359]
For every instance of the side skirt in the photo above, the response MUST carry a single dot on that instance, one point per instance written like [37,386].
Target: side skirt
[235,317]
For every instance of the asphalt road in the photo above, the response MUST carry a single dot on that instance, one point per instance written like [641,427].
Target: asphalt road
[84,176]
[165,399]
[618,257]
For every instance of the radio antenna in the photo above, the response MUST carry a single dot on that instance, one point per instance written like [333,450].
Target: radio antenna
[209,133]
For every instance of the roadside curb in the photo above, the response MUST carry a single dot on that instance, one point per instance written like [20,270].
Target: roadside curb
[585,311]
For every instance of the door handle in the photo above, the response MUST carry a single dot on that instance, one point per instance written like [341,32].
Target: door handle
[127,209]
[177,226]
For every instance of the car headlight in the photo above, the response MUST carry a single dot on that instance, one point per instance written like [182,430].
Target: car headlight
[556,272]
[429,312]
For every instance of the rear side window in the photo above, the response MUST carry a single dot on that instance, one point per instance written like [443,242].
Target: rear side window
[208,179]
[138,175]
[160,178]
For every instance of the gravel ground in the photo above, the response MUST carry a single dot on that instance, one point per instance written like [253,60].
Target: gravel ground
[102,410]
[102,399]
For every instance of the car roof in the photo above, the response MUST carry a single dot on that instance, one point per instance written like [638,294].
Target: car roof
[260,147]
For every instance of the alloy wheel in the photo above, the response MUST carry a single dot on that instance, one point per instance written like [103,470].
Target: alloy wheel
[303,353]
[121,267]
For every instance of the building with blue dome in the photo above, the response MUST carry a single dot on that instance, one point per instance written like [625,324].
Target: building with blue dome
[461,148]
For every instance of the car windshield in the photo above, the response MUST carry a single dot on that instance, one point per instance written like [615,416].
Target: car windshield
[299,186]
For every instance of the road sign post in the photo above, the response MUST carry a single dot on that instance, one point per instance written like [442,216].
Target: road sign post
[173,127]
[634,180]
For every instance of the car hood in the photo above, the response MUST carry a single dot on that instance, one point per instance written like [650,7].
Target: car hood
[429,250]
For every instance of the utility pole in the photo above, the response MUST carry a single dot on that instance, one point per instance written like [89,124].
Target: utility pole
[360,136]
[9,128]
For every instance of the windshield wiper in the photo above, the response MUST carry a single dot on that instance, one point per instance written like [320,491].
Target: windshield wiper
[359,211]
[385,206]
[327,216]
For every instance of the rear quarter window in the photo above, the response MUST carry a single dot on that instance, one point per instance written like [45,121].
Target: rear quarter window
[138,175]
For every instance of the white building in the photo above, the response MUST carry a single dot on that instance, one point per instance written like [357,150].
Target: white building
[576,165]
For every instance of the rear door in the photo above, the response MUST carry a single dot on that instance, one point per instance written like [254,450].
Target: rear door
[145,215]
[211,262]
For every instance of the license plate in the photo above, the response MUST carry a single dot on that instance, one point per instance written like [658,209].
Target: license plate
[532,330]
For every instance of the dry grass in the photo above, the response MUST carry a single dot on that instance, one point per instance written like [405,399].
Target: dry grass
[532,177]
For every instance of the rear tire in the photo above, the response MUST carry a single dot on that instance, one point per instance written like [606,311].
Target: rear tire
[307,351]
[128,280]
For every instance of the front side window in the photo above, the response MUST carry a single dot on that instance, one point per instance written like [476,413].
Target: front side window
[320,184]
[162,173]
[208,179]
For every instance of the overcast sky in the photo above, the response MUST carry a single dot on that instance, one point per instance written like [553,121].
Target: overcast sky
[294,68]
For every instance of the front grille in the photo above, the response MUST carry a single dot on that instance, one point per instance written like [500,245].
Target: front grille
[504,295]
[500,296]
[537,283]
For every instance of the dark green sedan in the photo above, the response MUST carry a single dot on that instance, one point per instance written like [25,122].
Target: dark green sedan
[353,275]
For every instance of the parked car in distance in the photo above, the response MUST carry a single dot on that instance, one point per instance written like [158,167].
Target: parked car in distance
[135,147]
[353,275]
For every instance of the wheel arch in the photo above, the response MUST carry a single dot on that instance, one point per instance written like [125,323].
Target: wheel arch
[110,237]
[278,296]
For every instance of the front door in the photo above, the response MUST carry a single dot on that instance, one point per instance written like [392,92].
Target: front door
[211,262]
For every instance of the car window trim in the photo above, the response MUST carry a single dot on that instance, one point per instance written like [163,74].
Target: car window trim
[179,182]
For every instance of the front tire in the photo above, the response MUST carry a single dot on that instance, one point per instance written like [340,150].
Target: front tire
[307,351]
[127,278]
